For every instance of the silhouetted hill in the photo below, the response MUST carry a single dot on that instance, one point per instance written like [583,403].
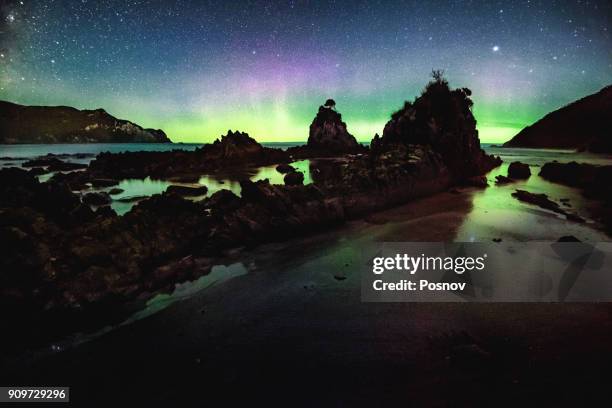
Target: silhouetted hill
[585,124]
[63,124]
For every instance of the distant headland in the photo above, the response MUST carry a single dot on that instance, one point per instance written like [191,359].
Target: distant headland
[63,124]
[585,125]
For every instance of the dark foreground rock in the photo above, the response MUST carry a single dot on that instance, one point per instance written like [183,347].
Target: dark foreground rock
[236,149]
[542,201]
[295,178]
[187,191]
[97,199]
[518,170]
[52,163]
[500,180]
[284,168]
[593,180]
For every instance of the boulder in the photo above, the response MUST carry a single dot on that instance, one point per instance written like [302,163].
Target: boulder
[501,180]
[294,178]
[104,182]
[284,168]
[187,191]
[97,199]
[52,163]
[477,181]
[518,170]
[541,200]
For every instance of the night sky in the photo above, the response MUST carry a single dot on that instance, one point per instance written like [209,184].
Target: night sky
[198,68]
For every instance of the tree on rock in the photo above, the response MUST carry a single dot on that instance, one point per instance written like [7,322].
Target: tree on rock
[328,135]
[330,103]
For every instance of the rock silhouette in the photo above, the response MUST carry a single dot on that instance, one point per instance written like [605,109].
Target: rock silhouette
[328,135]
[518,170]
[441,119]
[593,180]
[63,124]
[585,124]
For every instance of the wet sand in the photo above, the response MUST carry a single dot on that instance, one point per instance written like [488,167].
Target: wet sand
[284,330]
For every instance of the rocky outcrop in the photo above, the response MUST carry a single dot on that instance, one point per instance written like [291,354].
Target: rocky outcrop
[284,168]
[236,149]
[442,120]
[63,124]
[593,180]
[295,178]
[328,135]
[187,191]
[518,170]
[585,124]
[52,163]
[542,201]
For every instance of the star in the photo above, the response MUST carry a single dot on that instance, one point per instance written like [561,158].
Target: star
[495,48]
[10,18]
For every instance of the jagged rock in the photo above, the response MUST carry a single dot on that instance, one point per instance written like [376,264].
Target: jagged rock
[115,191]
[501,180]
[53,164]
[101,182]
[476,181]
[593,180]
[294,178]
[284,168]
[37,171]
[97,199]
[441,118]
[63,124]
[19,188]
[187,191]
[541,200]
[232,150]
[518,170]
[328,134]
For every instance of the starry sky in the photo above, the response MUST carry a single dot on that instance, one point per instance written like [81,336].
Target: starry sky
[198,68]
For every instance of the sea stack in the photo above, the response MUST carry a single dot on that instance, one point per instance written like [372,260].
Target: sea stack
[328,135]
[442,120]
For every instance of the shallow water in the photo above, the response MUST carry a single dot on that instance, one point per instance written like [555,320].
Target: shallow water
[15,155]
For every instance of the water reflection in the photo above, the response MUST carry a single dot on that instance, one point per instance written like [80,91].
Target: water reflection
[137,189]
[496,214]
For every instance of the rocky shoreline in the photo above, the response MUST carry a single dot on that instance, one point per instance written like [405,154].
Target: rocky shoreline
[593,180]
[65,259]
